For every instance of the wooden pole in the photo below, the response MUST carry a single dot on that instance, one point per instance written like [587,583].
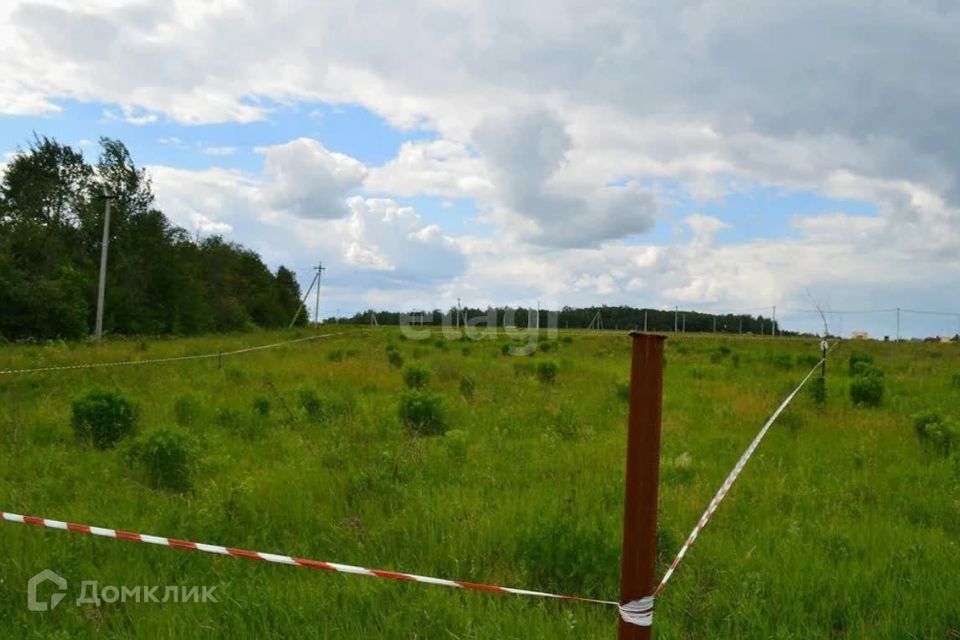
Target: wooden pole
[637,563]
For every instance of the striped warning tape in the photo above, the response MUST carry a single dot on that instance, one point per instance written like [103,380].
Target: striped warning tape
[202,356]
[732,477]
[632,612]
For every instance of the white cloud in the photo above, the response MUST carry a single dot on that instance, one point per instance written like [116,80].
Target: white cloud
[435,167]
[307,180]
[219,151]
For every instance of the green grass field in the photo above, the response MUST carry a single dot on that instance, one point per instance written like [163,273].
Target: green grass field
[843,525]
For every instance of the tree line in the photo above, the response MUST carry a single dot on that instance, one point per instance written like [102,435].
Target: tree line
[159,278]
[619,317]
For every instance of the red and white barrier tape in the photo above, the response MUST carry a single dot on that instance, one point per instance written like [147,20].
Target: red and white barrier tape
[725,487]
[202,356]
[636,612]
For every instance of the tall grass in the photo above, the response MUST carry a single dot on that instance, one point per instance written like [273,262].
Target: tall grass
[846,527]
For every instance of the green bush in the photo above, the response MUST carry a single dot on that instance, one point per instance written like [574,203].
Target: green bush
[261,407]
[423,413]
[955,381]
[623,391]
[939,433]
[859,361]
[866,389]
[547,346]
[103,417]
[468,387]
[394,357]
[324,407]
[547,371]
[416,376]
[164,457]
[335,356]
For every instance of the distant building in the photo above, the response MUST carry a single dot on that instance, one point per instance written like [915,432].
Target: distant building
[860,335]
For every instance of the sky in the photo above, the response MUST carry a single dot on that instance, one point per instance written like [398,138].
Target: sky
[726,156]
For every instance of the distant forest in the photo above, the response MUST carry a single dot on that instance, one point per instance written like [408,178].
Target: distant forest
[621,317]
[159,279]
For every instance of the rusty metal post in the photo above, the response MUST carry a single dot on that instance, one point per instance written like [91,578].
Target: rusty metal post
[639,553]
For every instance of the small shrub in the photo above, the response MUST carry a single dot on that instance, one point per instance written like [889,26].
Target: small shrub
[858,361]
[623,391]
[457,445]
[164,457]
[103,417]
[335,355]
[955,381]
[505,348]
[866,389]
[440,343]
[468,387]
[261,407]
[416,376]
[186,410]
[939,433]
[547,372]
[422,412]
[394,357]
[566,339]
[547,346]
[319,408]
[735,360]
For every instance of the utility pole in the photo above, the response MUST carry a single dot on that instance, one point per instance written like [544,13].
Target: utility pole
[714,324]
[303,304]
[898,324]
[644,320]
[104,248]
[676,319]
[316,309]
[458,313]
[740,330]
[684,323]
[773,326]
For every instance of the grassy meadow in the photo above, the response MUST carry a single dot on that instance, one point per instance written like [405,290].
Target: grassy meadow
[845,524]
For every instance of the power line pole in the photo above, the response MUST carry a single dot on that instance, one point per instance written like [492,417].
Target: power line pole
[898,324]
[676,319]
[684,323]
[644,320]
[773,325]
[316,309]
[302,307]
[714,324]
[104,248]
